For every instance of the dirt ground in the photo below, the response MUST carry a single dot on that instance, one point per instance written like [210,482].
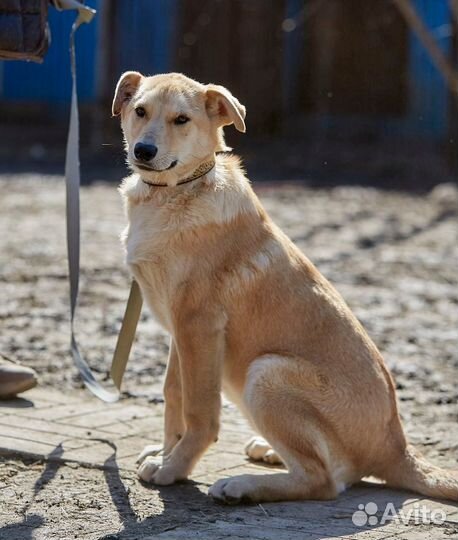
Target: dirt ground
[393,256]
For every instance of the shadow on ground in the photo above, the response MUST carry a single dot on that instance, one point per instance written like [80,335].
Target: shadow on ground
[25,529]
[17,403]
[189,513]
[116,507]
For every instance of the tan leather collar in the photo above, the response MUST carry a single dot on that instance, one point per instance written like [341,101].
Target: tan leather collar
[203,169]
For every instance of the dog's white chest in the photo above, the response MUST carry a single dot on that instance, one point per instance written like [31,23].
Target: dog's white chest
[155,292]
[153,261]
[144,236]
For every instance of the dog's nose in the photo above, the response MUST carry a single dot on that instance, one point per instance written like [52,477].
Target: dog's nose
[145,152]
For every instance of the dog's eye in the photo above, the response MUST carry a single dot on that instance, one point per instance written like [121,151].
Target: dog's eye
[181,119]
[140,112]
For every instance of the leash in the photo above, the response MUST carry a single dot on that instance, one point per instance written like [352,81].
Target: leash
[72,178]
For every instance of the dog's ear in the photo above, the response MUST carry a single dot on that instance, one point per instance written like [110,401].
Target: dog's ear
[224,107]
[125,89]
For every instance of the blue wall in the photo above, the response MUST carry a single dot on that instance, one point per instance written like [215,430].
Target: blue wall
[143,41]
[428,93]
[144,32]
[50,81]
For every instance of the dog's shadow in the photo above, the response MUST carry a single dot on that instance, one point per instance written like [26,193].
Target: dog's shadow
[183,504]
[186,510]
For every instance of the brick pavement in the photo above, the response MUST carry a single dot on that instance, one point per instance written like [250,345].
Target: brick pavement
[74,428]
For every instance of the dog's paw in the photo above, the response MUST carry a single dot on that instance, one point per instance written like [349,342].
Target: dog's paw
[148,468]
[165,476]
[231,490]
[259,449]
[149,450]
[152,471]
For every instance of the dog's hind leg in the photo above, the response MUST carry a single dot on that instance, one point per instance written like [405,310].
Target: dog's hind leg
[283,415]
[258,449]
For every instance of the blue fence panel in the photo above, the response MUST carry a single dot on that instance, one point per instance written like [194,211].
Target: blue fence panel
[146,32]
[428,99]
[50,81]
[143,40]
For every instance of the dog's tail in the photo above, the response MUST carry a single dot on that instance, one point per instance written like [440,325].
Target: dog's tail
[413,471]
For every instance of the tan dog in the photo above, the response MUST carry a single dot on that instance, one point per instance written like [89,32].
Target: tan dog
[248,314]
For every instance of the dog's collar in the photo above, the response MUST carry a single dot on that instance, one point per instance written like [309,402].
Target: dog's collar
[203,169]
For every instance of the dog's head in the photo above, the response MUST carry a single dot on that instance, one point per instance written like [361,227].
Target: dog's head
[172,124]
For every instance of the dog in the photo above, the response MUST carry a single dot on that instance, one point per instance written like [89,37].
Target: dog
[248,315]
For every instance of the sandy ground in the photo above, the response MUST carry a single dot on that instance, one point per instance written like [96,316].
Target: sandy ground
[392,255]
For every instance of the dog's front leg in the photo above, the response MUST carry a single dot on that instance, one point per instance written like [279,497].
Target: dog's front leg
[174,426]
[200,346]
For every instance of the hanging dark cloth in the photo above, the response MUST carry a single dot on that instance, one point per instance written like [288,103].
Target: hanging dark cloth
[24,31]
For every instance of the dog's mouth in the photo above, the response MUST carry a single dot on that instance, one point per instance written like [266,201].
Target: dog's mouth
[152,169]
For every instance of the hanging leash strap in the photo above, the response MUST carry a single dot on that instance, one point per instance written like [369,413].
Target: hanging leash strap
[72,177]
[126,334]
